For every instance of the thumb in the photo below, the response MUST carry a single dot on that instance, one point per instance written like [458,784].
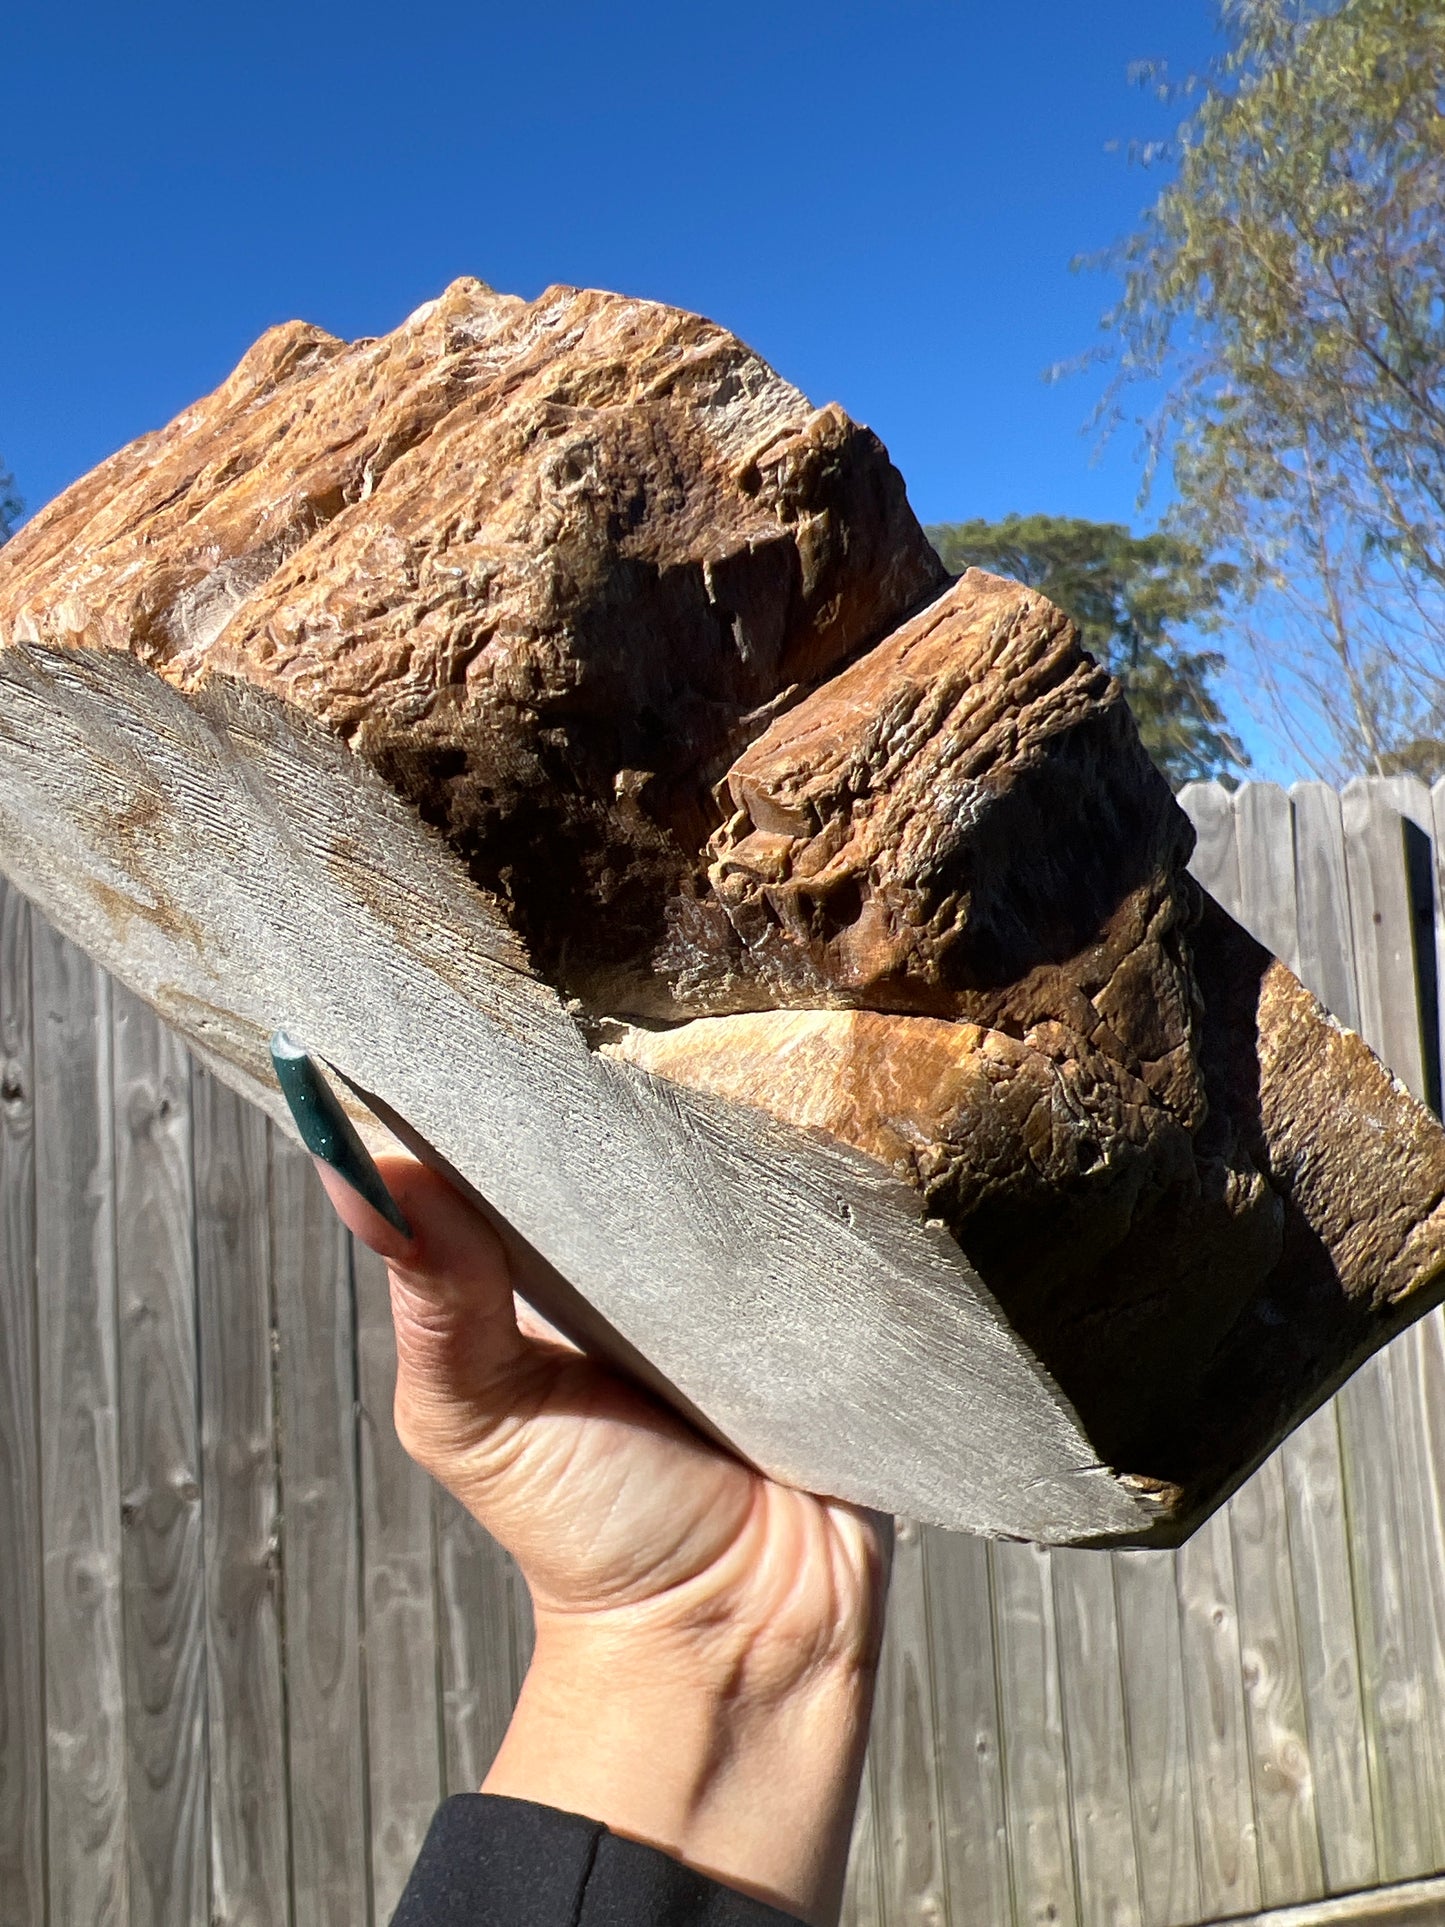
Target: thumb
[461,1359]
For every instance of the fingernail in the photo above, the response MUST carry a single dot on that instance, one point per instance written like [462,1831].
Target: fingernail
[326,1130]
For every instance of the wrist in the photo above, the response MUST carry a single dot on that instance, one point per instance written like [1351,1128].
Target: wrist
[738,1759]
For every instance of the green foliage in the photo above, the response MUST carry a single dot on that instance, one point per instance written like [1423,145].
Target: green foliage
[1130,595]
[11,506]
[1288,287]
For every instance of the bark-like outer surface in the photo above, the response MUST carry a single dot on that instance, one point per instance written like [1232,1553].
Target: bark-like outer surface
[664,656]
[547,567]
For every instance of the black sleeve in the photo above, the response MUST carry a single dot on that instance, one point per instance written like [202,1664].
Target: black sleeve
[492,1862]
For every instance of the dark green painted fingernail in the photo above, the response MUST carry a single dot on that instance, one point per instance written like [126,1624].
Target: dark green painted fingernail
[326,1130]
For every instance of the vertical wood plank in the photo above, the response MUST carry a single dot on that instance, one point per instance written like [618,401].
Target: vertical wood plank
[862,1902]
[1290,1864]
[22,1647]
[904,1749]
[1322,901]
[320,1543]
[75,1265]
[1098,1754]
[1330,1662]
[160,1473]
[1415,1363]
[1314,1470]
[1158,1733]
[1218,1735]
[481,1670]
[966,1724]
[403,1715]
[1437,837]
[1390,1488]
[1215,862]
[1325,1606]
[250,1846]
[1410,797]
[1391,1622]
[1031,1723]
[1382,919]
[1264,835]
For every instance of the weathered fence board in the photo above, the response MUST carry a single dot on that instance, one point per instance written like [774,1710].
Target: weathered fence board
[480,1671]
[905,1751]
[966,1727]
[1284,1804]
[1314,1467]
[398,1556]
[79,1455]
[1398,1569]
[160,1473]
[1031,1726]
[245,1699]
[1086,1614]
[320,1547]
[22,1648]
[862,1897]
[244,1645]
[1219,1758]
[1166,1848]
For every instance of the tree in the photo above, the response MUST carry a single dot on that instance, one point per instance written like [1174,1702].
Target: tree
[11,506]
[1130,595]
[1288,286]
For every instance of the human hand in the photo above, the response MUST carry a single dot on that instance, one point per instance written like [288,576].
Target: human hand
[706,1638]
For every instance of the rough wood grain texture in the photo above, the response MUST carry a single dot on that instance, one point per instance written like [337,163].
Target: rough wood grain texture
[966,1725]
[23,1898]
[1218,1731]
[320,1547]
[160,1473]
[399,1608]
[905,1749]
[974,1845]
[700,1181]
[570,669]
[1031,1722]
[86,1807]
[249,1791]
[1161,1788]
[1097,1740]
[547,565]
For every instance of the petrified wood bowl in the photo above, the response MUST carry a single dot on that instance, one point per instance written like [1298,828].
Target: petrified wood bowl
[568,732]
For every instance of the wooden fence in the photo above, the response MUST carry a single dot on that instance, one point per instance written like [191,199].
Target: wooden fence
[245,1647]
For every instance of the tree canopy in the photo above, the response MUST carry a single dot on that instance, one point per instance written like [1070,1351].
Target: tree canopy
[1288,287]
[1133,597]
[11,506]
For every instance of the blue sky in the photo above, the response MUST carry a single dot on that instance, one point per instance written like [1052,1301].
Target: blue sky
[882,198]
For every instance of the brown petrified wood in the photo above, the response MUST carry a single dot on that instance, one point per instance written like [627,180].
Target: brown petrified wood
[569,731]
